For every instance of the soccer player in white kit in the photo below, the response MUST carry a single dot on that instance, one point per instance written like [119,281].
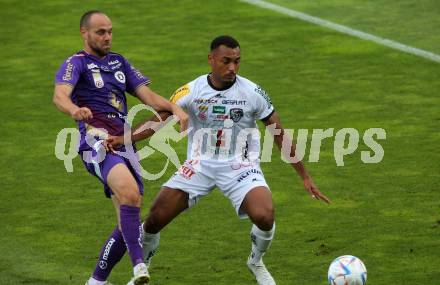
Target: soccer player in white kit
[223,152]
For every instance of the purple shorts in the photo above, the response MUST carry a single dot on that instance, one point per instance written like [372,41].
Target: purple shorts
[101,169]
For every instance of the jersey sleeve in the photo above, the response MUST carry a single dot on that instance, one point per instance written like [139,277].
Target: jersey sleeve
[181,96]
[264,107]
[134,78]
[69,72]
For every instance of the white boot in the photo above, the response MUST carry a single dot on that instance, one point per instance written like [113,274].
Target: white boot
[260,271]
[93,281]
[141,275]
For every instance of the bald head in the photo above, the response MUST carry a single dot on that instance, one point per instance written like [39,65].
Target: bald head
[85,18]
[96,30]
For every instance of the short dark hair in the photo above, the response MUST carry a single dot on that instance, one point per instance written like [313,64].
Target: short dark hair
[85,18]
[228,41]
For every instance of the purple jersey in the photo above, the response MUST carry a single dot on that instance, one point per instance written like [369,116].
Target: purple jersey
[100,85]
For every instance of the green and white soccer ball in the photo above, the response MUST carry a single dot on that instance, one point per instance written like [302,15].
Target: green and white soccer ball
[347,270]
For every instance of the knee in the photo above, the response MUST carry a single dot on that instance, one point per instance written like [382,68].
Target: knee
[264,219]
[130,196]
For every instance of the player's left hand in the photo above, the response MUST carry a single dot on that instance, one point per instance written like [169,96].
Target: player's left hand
[113,142]
[314,191]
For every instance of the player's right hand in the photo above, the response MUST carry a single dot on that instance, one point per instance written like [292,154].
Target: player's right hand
[183,118]
[314,191]
[82,114]
[112,143]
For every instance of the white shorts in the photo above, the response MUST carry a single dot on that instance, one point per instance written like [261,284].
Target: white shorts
[235,180]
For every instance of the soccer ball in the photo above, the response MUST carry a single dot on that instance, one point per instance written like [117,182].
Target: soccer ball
[347,270]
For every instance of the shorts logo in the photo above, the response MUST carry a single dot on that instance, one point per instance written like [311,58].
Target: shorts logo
[247,173]
[236,114]
[219,109]
[186,172]
[120,76]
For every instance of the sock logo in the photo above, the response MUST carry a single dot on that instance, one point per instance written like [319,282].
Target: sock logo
[108,247]
[254,238]
[151,254]
[102,264]
[140,236]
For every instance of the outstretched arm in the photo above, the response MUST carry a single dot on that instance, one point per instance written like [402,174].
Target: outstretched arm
[158,103]
[142,131]
[297,165]
[149,127]
[61,99]
[146,129]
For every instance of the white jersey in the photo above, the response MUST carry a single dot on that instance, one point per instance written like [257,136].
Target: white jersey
[223,122]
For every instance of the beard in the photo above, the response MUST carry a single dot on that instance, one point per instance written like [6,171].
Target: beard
[99,51]
[229,79]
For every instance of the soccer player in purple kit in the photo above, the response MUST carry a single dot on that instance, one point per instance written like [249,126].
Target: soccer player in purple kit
[90,87]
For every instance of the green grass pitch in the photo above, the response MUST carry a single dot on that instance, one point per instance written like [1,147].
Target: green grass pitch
[53,223]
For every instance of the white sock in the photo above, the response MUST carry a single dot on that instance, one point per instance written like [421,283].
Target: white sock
[93,281]
[150,243]
[261,241]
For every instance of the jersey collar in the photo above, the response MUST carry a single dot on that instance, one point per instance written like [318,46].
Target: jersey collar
[95,57]
[219,89]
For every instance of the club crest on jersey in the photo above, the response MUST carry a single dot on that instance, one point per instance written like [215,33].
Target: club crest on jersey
[236,114]
[120,76]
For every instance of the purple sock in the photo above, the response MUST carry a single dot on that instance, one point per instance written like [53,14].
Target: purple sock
[113,250]
[131,230]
